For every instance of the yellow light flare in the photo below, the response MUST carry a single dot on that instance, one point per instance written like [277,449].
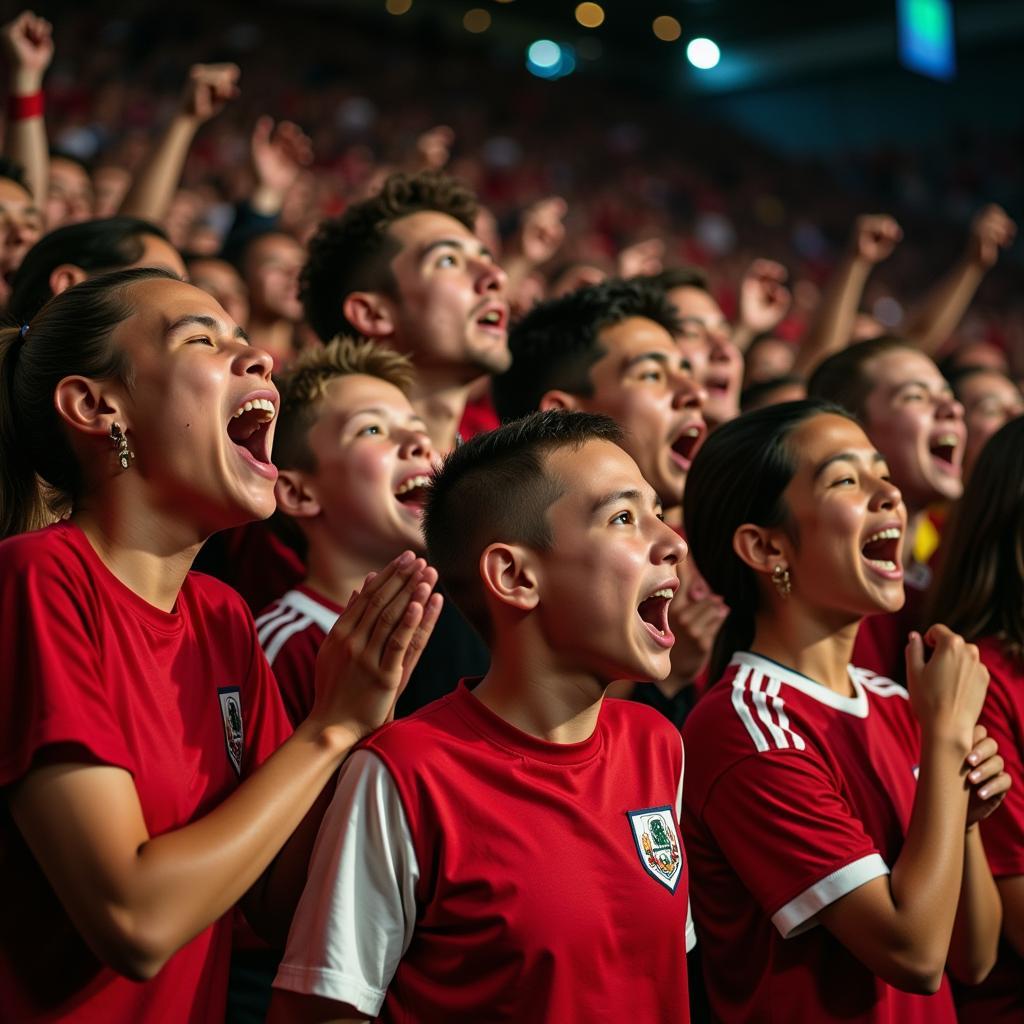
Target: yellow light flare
[397,6]
[476,20]
[590,15]
[667,29]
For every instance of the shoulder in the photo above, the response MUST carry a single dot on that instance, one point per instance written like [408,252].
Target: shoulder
[51,550]
[879,686]
[402,741]
[214,597]
[630,719]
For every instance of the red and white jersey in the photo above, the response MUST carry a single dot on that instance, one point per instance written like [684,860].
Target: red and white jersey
[291,631]
[183,700]
[999,999]
[795,796]
[469,872]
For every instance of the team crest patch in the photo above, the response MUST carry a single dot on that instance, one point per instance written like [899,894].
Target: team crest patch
[657,843]
[231,712]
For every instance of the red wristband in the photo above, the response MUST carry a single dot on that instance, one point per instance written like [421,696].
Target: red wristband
[21,108]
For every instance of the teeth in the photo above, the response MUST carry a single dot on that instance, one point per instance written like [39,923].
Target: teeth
[692,432]
[947,441]
[666,593]
[491,317]
[883,563]
[412,483]
[262,404]
[892,533]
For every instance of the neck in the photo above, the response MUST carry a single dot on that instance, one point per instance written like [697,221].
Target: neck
[441,403]
[335,572]
[529,690]
[148,551]
[273,335]
[812,646]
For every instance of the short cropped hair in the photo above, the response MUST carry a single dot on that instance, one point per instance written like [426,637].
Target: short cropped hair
[679,277]
[495,488]
[353,252]
[842,379]
[558,341]
[13,172]
[304,386]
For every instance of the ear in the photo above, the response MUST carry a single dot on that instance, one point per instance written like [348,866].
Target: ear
[369,313]
[508,575]
[560,400]
[294,496]
[89,406]
[758,547]
[65,276]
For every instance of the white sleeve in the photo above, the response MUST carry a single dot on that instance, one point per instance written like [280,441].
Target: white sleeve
[356,916]
[691,933]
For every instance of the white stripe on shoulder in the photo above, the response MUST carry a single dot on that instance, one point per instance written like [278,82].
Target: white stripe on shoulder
[283,635]
[760,699]
[273,620]
[779,706]
[739,685]
[880,685]
[799,914]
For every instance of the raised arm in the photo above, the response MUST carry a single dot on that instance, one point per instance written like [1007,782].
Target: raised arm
[764,301]
[136,899]
[28,47]
[932,321]
[207,90]
[873,240]
[901,925]
[279,151]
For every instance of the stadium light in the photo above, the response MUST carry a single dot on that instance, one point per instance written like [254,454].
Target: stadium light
[548,59]
[703,54]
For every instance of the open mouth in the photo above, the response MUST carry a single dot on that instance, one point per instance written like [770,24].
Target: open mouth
[717,385]
[249,431]
[495,319]
[945,449]
[882,552]
[685,446]
[653,612]
[412,493]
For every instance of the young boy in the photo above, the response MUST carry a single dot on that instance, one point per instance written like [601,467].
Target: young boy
[354,461]
[511,853]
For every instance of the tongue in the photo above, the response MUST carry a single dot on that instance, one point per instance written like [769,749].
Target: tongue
[880,550]
[652,611]
[417,496]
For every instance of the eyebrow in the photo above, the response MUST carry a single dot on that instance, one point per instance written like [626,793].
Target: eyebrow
[845,457]
[630,494]
[658,357]
[452,243]
[202,321]
[376,410]
[944,389]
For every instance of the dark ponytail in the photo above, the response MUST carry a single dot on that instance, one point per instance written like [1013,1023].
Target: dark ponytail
[40,478]
[738,477]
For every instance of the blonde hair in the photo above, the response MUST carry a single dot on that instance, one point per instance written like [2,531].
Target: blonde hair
[305,384]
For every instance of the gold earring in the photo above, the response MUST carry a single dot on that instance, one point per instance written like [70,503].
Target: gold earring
[124,453]
[782,580]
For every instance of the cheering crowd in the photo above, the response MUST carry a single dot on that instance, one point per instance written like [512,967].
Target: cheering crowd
[423,600]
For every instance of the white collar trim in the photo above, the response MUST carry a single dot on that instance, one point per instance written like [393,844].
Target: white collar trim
[856,705]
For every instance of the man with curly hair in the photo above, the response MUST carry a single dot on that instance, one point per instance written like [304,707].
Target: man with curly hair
[405,269]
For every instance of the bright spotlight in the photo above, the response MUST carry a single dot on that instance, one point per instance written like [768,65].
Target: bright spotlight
[547,59]
[703,53]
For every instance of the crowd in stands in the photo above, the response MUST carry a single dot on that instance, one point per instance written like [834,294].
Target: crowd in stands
[460,562]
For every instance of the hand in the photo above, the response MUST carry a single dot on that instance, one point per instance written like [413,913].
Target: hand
[875,235]
[542,230]
[367,658]
[28,45]
[991,230]
[434,148]
[642,259]
[764,297]
[279,152]
[948,691]
[694,616]
[207,89]
[986,777]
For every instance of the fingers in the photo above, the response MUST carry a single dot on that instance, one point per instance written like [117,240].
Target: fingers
[982,747]
[915,656]
[375,583]
[989,768]
[996,788]
[389,630]
[416,643]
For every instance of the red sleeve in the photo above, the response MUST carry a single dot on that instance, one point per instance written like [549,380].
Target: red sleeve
[790,835]
[52,690]
[295,671]
[1003,831]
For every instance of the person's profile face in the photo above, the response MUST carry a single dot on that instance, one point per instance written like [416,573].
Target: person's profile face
[449,305]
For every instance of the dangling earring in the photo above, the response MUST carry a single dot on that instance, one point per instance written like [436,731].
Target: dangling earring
[124,453]
[782,580]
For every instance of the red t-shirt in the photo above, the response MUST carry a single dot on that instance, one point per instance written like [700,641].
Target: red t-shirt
[184,701]
[882,639]
[469,872]
[478,417]
[795,796]
[291,632]
[1000,997]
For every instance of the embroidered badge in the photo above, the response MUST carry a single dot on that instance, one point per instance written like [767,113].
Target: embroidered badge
[231,712]
[657,843]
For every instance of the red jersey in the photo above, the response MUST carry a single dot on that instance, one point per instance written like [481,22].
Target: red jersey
[467,871]
[291,631]
[882,639]
[795,796]
[478,417]
[183,701]
[1000,997]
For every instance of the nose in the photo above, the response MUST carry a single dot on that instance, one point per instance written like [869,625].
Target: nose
[669,548]
[689,394]
[886,496]
[490,277]
[250,360]
[416,445]
[949,408]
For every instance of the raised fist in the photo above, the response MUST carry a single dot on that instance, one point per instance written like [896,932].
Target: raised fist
[208,88]
[991,230]
[875,235]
